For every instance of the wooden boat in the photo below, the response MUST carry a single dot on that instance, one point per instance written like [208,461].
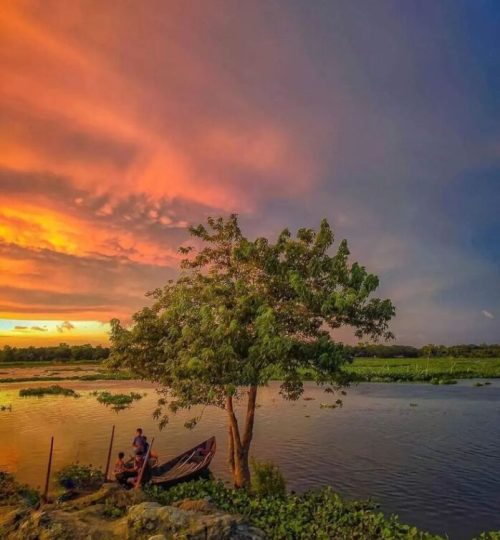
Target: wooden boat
[186,466]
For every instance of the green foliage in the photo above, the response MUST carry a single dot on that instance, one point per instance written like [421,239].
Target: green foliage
[267,479]
[11,492]
[117,402]
[242,308]
[317,514]
[461,351]
[374,350]
[108,376]
[59,353]
[442,370]
[381,350]
[84,477]
[54,390]
[112,510]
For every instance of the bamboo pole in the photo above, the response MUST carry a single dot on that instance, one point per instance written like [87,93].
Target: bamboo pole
[144,465]
[109,454]
[49,466]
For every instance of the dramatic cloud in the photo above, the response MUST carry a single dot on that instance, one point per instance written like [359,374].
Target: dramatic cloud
[123,122]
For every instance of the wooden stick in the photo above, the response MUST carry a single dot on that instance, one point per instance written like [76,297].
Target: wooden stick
[49,466]
[109,454]
[144,465]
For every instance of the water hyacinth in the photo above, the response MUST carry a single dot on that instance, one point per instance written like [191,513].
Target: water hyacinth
[54,390]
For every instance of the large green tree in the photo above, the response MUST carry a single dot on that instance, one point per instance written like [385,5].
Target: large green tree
[242,310]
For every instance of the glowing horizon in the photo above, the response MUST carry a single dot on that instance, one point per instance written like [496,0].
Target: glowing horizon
[22,332]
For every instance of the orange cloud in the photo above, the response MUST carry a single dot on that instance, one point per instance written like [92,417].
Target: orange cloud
[120,129]
[65,85]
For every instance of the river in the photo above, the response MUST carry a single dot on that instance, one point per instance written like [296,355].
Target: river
[430,454]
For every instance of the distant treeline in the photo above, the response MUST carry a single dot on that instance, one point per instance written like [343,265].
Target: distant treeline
[62,352]
[406,351]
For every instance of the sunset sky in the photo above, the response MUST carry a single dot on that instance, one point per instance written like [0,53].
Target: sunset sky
[124,121]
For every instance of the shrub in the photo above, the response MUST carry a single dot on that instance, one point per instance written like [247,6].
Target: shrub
[267,479]
[11,492]
[80,477]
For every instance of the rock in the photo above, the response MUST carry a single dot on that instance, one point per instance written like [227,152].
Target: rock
[151,517]
[178,522]
[93,517]
[224,527]
[205,506]
[111,493]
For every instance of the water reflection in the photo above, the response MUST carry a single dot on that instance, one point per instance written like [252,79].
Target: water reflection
[434,463]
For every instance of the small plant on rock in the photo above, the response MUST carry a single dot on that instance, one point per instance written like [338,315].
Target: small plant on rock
[267,479]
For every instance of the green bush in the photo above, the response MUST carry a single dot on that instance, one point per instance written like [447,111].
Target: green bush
[267,479]
[11,492]
[80,477]
[319,515]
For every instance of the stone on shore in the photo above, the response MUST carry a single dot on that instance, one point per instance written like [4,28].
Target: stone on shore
[113,513]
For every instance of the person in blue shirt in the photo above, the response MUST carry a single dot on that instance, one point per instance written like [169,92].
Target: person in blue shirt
[139,442]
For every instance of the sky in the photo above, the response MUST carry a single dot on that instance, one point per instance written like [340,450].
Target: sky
[123,122]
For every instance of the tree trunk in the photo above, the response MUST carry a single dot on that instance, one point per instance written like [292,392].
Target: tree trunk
[238,446]
[230,449]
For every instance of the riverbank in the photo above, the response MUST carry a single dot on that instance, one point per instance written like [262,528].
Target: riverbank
[202,509]
[440,370]
[113,513]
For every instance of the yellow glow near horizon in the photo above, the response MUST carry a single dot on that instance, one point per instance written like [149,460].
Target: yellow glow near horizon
[25,333]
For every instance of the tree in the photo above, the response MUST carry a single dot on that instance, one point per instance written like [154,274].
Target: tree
[242,311]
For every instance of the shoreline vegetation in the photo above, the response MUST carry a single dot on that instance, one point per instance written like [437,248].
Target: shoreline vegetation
[435,370]
[83,498]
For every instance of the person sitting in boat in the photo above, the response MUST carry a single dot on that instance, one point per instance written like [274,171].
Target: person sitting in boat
[120,464]
[124,471]
[139,442]
[137,467]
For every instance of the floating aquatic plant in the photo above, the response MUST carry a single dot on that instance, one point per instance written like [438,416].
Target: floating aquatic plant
[54,390]
[117,402]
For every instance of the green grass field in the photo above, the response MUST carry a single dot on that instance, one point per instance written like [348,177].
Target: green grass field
[436,370]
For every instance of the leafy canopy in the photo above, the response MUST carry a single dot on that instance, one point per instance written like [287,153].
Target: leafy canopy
[242,309]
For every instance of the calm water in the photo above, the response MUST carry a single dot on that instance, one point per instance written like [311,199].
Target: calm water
[437,464]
